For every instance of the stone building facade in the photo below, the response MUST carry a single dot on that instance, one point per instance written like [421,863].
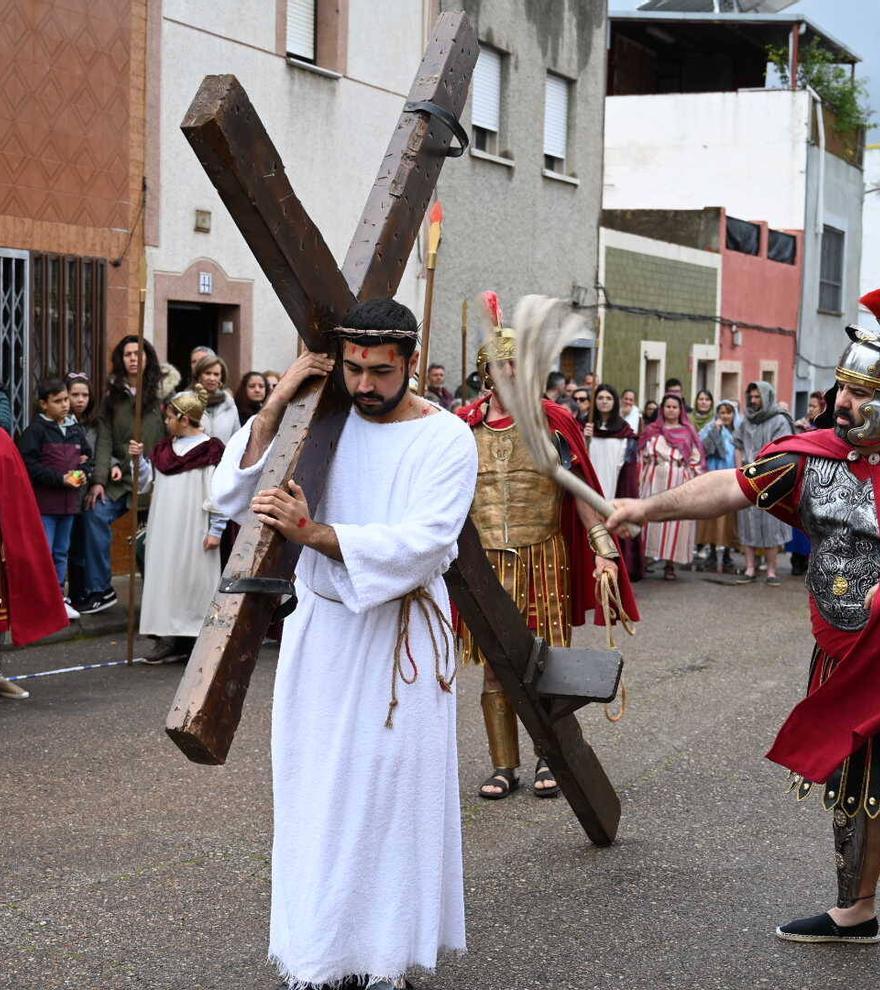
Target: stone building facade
[513,224]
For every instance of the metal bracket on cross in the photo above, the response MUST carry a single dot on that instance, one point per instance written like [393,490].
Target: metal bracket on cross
[230,141]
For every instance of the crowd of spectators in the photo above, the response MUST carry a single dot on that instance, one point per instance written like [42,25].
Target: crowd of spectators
[640,452]
[78,452]
[77,449]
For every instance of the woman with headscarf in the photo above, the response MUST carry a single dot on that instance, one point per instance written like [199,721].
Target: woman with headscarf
[671,453]
[614,454]
[704,410]
[764,421]
[717,439]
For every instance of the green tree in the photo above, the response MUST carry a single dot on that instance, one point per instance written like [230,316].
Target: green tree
[846,97]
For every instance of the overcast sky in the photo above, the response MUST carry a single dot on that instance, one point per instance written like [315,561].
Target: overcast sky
[855,23]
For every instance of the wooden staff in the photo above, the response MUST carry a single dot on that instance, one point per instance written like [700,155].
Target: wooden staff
[592,417]
[137,434]
[464,333]
[434,234]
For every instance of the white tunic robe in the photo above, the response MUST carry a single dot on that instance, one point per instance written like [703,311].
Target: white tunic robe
[180,576]
[366,866]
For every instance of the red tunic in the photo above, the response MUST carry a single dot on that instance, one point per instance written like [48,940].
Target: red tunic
[581,558]
[36,607]
[838,716]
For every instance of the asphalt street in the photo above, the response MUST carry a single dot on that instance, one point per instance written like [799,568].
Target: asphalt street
[125,866]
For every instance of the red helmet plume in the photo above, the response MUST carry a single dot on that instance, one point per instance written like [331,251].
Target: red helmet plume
[493,307]
[871,301]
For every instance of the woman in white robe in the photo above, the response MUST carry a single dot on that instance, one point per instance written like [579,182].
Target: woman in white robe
[366,867]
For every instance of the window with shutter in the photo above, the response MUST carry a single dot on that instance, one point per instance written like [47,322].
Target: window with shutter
[831,271]
[486,101]
[555,122]
[301,29]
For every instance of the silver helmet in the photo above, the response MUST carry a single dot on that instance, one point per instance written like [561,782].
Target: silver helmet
[860,365]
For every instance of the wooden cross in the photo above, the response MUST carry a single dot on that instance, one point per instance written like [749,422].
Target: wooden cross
[240,159]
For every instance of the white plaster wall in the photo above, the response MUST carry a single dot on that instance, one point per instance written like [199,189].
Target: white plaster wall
[331,134]
[248,21]
[870,278]
[744,151]
[385,42]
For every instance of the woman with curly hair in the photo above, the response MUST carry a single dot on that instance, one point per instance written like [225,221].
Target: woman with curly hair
[109,496]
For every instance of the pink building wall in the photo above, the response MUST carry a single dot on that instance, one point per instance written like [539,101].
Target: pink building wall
[767,293]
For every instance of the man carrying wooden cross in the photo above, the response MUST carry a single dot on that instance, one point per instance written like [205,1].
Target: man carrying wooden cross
[366,869]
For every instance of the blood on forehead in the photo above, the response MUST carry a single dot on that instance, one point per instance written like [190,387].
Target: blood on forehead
[354,352]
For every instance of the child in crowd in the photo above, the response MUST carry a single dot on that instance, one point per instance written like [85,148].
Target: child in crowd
[183,533]
[59,461]
[82,408]
[717,438]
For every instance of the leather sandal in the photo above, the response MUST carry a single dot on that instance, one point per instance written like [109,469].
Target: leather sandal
[502,777]
[544,773]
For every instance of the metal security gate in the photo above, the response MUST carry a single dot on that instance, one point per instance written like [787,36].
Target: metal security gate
[14,309]
[68,317]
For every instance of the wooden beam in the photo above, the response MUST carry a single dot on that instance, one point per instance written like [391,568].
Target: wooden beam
[394,210]
[229,139]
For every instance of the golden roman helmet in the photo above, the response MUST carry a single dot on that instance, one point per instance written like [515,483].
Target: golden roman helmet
[501,346]
[191,403]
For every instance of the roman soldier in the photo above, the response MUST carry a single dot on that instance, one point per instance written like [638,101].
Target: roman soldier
[546,547]
[31,603]
[826,482]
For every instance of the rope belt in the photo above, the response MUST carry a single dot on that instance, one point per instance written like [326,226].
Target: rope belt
[613,611]
[424,601]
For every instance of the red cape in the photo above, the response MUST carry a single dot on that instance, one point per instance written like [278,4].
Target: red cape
[36,607]
[581,558]
[837,717]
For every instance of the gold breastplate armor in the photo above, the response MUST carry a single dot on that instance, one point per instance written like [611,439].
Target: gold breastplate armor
[514,504]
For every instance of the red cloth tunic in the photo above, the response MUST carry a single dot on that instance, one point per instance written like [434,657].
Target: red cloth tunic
[840,715]
[581,558]
[36,607]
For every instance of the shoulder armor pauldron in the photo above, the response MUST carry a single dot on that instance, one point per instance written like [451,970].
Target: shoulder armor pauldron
[774,477]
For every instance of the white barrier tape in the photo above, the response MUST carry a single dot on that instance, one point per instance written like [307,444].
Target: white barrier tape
[72,670]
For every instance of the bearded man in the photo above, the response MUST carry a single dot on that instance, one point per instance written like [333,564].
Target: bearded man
[825,482]
[366,865]
[546,548]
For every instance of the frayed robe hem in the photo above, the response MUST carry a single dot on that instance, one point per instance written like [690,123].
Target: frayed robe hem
[362,980]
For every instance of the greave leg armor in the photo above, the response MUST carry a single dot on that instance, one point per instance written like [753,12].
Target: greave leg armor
[501,729]
[849,854]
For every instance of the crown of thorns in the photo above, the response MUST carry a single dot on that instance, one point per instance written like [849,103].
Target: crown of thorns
[378,334]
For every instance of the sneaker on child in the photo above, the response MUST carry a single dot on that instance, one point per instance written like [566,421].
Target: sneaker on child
[98,602]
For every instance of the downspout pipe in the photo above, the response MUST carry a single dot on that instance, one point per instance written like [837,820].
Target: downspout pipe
[820,128]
